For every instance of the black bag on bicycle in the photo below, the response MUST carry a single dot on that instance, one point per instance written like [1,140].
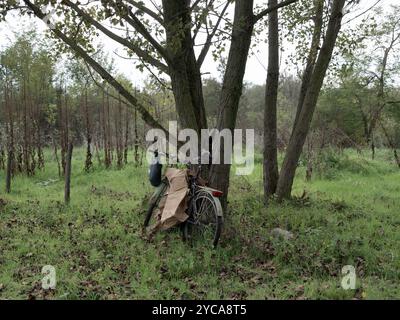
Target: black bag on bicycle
[155,171]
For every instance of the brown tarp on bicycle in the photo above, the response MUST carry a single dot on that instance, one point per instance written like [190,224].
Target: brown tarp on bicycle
[171,210]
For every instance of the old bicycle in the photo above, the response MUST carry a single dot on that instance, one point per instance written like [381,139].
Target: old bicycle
[204,210]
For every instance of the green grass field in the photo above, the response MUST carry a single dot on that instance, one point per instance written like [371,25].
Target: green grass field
[348,216]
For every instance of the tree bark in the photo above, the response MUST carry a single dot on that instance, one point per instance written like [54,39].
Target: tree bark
[302,127]
[183,68]
[312,56]
[271,173]
[232,86]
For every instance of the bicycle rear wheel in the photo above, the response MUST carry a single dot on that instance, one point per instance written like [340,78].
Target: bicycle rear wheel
[205,220]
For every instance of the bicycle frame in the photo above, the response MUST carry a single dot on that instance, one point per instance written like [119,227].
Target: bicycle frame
[194,188]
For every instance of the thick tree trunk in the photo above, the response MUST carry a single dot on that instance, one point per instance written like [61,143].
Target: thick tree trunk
[301,129]
[183,68]
[271,173]
[232,86]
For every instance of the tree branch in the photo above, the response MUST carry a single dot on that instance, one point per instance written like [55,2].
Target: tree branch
[136,49]
[198,25]
[263,13]
[146,10]
[139,27]
[194,4]
[208,43]
[102,87]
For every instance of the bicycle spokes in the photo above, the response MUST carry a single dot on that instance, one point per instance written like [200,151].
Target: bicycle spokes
[204,222]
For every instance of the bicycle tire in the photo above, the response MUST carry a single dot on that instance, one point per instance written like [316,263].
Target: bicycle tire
[193,223]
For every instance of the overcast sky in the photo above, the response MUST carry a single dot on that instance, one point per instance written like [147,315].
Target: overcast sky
[256,66]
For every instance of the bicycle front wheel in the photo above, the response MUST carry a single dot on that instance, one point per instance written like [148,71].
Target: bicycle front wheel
[153,204]
[205,220]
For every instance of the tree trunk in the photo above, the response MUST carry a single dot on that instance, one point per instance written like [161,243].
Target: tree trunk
[396,157]
[232,86]
[118,134]
[301,129]
[68,169]
[56,156]
[105,135]
[26,162]
[88,160]
[309,168]
[271,173]
[126,140]
[108,133]
[136,146]
[183,68]
[10,157]
[373,148]
[2,159]
[312,56]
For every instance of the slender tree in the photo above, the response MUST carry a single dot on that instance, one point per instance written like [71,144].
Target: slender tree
[302,125]
[271,173]
[126,140]
[68,170]
[88,160]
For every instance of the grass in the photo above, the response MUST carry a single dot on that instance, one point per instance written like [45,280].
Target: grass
[347,215]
